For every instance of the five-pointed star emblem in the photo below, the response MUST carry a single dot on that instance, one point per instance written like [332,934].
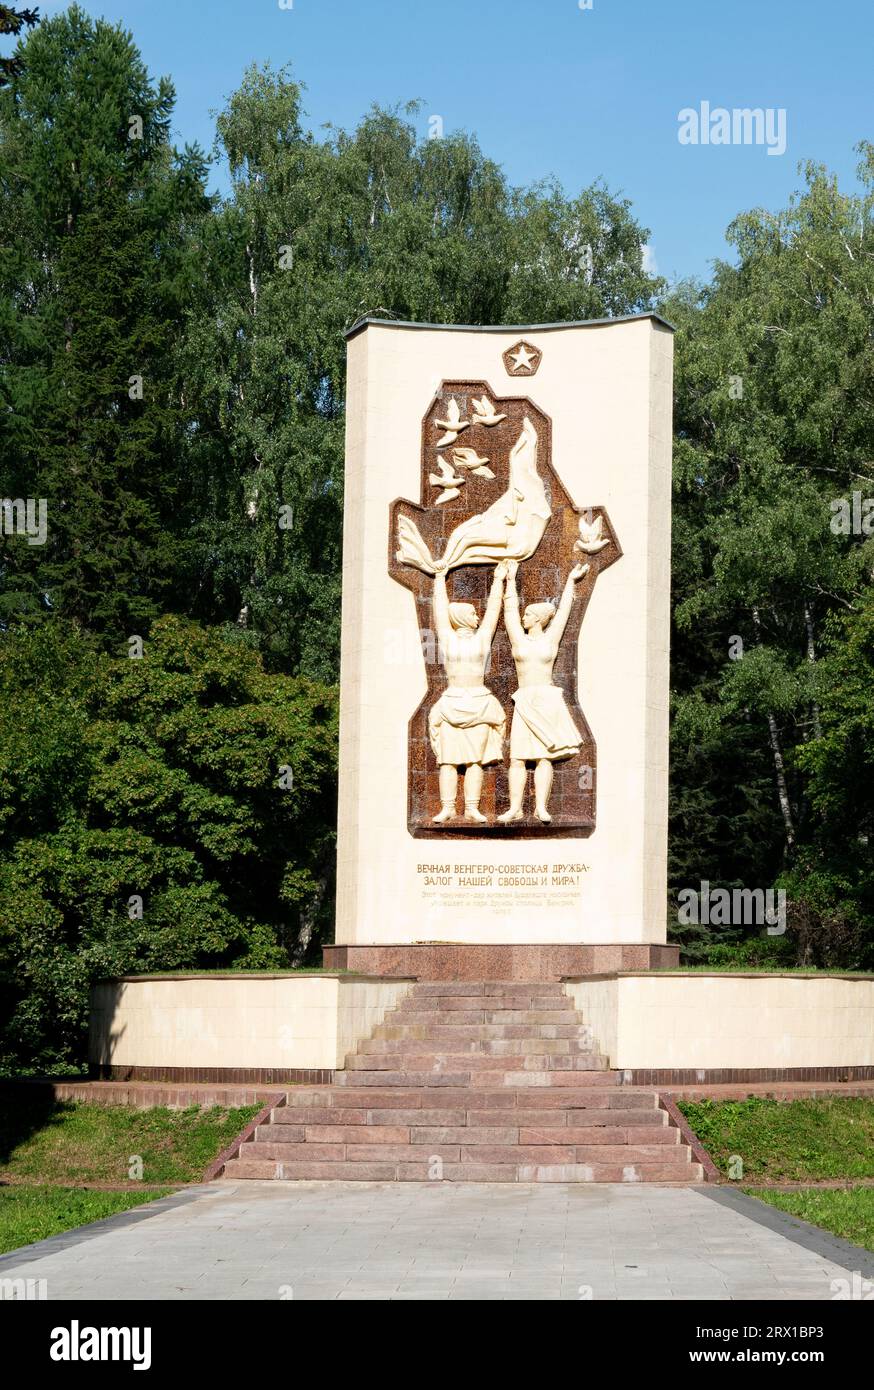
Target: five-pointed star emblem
[522,360]
[523,357]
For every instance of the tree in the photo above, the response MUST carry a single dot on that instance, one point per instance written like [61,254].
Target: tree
[12,22]
[95,275]
[833,881]
[774,426]
[156,813]
[318,233]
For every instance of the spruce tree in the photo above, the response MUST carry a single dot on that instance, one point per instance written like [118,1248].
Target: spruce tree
[97,213]
[12,21]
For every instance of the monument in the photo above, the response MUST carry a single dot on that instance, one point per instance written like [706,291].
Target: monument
[504,668]
[503,780]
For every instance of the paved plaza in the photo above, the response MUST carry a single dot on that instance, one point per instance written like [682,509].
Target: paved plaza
[444,1241]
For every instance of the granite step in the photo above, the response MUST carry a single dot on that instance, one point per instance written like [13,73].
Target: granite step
[539,987]
[424,1171]
[591,1097]
[437,1127]
[341,1151]
[660,1136]
[475,1061]
[588,1099]
[551,1126]
[597,1119]
[488,1047]
[480,1032]
[472,1081]
[494,1003]
[474,1077]
[293,1118]
[529,1018]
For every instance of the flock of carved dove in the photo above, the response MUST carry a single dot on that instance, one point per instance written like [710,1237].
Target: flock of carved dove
[452,473]
[451,476]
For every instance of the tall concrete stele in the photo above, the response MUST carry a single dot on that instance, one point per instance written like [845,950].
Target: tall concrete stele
[504,675]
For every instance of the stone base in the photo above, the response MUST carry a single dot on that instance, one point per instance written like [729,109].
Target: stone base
[460,961]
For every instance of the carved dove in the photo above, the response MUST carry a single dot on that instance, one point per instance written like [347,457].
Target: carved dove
[448,479]
[469,458]
[453,424]
[592,538]
[485,412]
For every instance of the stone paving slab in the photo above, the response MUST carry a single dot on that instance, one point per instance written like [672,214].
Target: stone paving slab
[455,1241]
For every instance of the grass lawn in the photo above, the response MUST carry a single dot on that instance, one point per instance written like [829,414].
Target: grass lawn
[763,968]
[788,1141]
[48,1141]
[34,1213]
[781,1141]
[846,1213]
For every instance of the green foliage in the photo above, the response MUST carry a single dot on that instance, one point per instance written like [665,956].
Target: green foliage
[156,778]
[848,1214]
[12,21]
[28,1214]
[96,220]
[71,1142]
[217,497]
[771,742]
[318,233]
[750,953]
[788,1141]
[833,883]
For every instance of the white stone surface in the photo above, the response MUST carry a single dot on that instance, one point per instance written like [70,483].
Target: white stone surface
[385,1241]
[607,389]
[237,1020]
[660,1020]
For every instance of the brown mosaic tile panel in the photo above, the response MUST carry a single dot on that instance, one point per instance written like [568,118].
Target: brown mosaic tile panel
[542,577]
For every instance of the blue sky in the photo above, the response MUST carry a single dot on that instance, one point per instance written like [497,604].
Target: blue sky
[550,88]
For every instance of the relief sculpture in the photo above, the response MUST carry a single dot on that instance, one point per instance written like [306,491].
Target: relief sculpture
[502,564]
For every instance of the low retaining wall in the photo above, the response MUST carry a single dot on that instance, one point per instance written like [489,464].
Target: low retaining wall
[676,1028]
[264,1028]
[142,1094]
[657,1028]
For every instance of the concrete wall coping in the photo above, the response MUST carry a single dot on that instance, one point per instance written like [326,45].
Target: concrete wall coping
[718,975]
[374,321]
[238,975]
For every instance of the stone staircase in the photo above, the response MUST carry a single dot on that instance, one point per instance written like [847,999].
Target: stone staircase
[472,1082]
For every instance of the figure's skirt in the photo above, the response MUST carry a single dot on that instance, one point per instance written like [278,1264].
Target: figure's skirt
[467,726]
[542,726]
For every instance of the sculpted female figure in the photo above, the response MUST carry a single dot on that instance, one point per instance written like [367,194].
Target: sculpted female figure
[466,726]
[542,731]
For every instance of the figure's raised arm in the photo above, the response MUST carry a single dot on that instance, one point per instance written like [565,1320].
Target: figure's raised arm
[440,608]
[559,622]
[493,607]
[512,622]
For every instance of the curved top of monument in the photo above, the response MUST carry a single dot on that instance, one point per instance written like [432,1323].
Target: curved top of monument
[370,320]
